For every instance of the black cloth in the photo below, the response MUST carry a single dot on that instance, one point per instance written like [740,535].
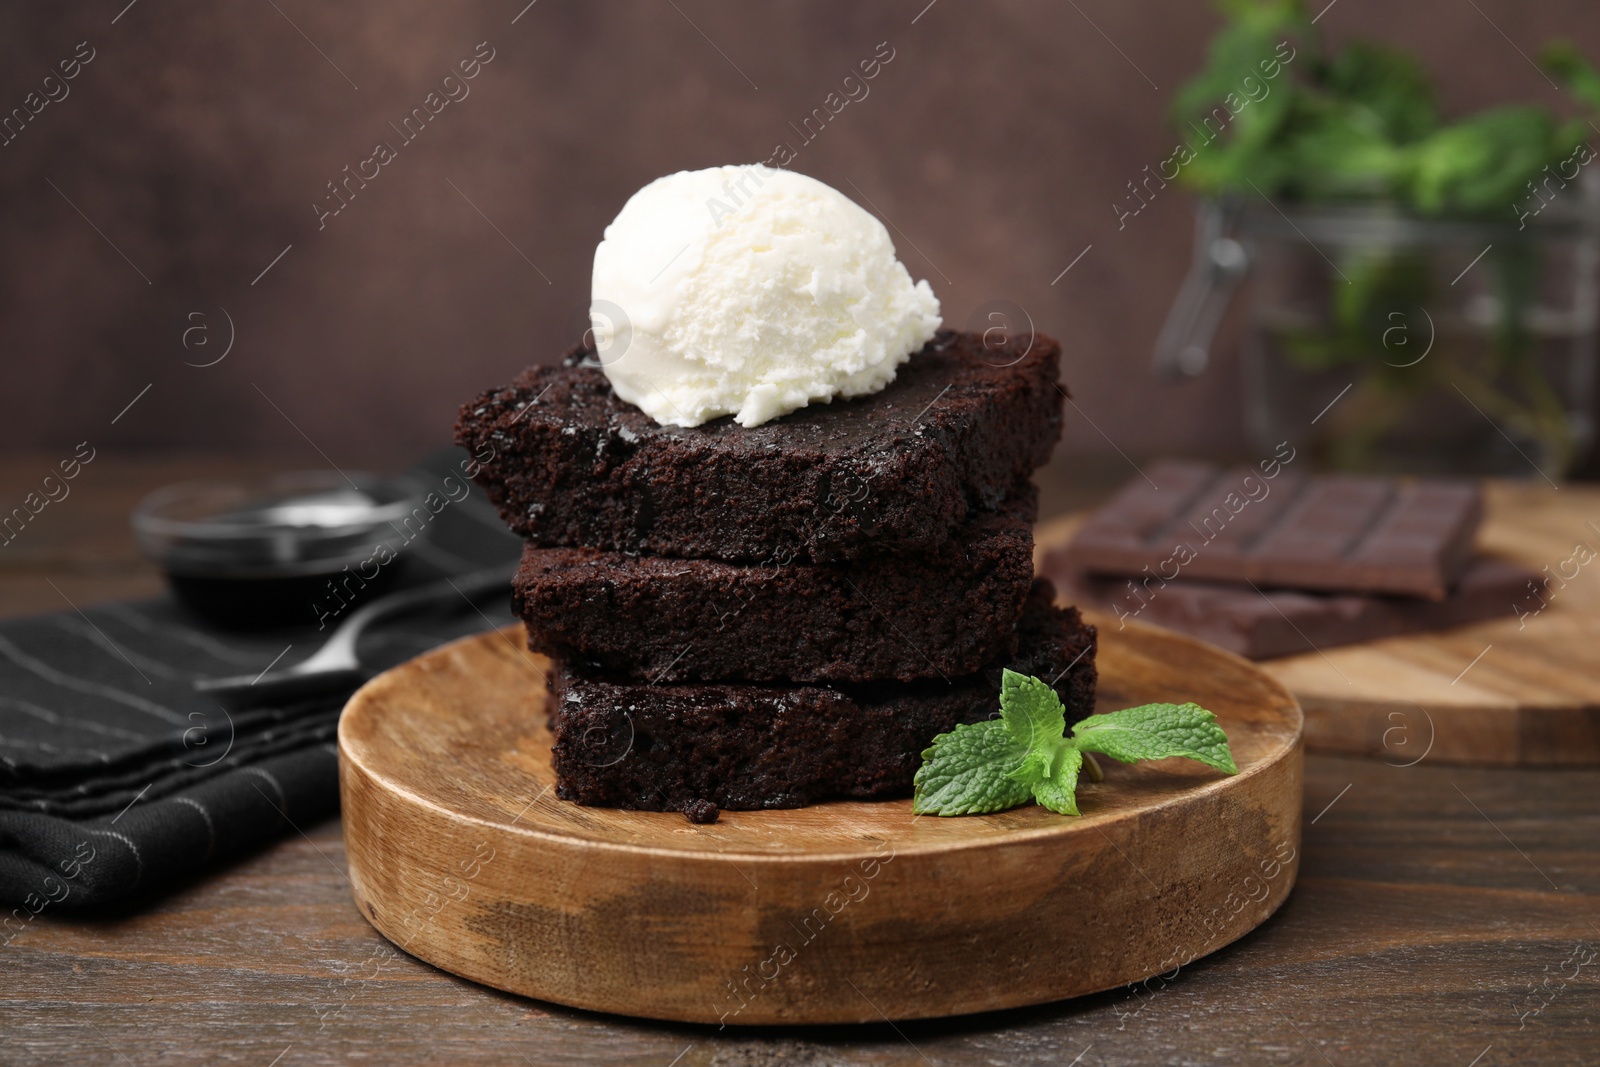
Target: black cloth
[118,780]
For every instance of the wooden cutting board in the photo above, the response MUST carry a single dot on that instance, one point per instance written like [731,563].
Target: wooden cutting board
[461,854]
[1508,691]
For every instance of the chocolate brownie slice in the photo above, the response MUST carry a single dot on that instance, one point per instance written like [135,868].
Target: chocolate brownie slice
[897,471]
[938,614]
[744,747]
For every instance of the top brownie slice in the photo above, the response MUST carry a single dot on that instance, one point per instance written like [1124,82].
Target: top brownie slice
[898,471]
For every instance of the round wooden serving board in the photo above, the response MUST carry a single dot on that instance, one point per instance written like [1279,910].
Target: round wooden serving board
[1506,691]
[462,855]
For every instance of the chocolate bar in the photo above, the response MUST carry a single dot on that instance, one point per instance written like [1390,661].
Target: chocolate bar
[1286,529]
[1262,624]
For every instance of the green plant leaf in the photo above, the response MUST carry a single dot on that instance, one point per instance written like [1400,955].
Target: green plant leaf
[1157,731]
[1033,713]
[1575,73]
[1025,754]
[1251,36]
[1361,124]
[1481,165]
[968,771]
[1058,791]
[1391,85]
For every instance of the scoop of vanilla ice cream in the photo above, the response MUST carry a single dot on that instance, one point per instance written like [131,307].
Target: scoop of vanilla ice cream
[750,291]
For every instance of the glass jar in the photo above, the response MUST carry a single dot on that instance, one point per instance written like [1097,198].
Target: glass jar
[1381,341]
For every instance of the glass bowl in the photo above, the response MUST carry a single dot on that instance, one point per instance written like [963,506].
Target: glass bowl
[266,551]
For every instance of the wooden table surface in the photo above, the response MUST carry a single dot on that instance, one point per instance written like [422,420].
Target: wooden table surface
[1444,915]
[1508,691]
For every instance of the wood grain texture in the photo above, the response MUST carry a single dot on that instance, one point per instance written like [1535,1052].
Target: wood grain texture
[1433,904]
[1511,691]
[461,854]
[1413,935]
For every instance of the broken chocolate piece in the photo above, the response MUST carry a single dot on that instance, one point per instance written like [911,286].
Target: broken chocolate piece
[1286,530]
[1261,624]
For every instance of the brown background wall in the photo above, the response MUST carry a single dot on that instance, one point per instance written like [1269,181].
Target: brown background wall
[198,139]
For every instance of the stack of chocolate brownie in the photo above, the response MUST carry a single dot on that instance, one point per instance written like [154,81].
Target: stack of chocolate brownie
[767,617]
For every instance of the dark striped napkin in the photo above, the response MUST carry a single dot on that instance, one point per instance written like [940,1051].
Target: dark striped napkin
[118,780]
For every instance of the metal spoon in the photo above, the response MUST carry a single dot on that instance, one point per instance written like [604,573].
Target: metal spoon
[335,666]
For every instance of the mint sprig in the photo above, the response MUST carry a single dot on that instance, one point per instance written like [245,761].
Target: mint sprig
[1027,753]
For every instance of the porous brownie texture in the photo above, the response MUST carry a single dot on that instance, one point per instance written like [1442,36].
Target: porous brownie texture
[937,614]
[745,747]
[569,464]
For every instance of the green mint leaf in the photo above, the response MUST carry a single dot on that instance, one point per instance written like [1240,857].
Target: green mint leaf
[1575,73]
[1034,715]
[1032,712]
[1001,763]
[1058,791]
[1157,731]
[968,771]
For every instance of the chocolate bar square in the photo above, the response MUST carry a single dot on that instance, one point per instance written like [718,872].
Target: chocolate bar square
[1261,624]
[1284,529]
